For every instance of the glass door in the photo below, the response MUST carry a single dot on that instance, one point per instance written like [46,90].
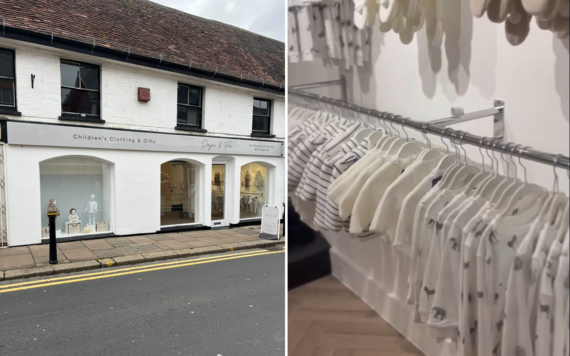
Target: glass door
[219,216]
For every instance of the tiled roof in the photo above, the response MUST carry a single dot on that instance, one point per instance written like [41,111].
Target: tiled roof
[152,30]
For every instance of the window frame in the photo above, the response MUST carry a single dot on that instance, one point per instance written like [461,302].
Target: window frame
[186,126]
[73,116]
[11,109]
[258,133]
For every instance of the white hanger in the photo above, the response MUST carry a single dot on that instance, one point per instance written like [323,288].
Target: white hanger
[501,196]
[496,182]
[450,171]
[464,174]
[481,177]
[429,153]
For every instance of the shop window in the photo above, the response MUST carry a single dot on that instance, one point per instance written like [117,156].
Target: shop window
[189,112]
[80,188]
[7,83]
[253,190]
[178,196]
[261,118]
[80,92]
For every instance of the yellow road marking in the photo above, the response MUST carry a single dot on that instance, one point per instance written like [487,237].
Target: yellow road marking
[90,278]
[112,271]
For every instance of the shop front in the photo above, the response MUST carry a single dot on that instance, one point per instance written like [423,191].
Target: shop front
[107,182]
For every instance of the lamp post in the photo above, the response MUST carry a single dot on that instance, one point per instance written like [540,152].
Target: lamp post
[52,243]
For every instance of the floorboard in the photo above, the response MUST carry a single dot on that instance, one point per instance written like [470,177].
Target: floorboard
[327,319]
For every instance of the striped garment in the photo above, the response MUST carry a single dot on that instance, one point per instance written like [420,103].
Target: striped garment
[307,189]
[307,139]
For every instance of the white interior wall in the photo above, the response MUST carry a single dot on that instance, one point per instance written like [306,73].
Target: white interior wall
[474,65]
[135,190]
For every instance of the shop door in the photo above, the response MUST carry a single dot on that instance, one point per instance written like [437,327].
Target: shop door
[219,206]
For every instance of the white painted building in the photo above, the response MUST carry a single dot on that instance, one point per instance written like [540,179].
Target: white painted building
[76,123]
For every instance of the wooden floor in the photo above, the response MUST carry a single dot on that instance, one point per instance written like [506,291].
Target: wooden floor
[327,319]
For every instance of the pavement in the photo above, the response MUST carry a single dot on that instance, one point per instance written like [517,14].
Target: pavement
[31,261]
[229,304]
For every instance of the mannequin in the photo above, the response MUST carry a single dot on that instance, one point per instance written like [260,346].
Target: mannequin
[73,218]
[52,208]
[92,208]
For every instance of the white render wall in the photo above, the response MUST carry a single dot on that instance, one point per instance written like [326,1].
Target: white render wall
[227,110]
[135,188]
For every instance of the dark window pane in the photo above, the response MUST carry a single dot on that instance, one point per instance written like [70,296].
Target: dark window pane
[6,63]
[182,94]
[254,124]
[89,77]
[7,92]
[70,75]
[263,124]
[90,103]
[195,96]
[256,106]
[264,110]
[194,115]
[182,115]
[79,101]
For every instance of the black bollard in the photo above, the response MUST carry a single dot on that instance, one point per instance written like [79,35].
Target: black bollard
[52,243]
[284,222]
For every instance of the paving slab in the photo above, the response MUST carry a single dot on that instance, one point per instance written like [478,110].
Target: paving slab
[76,266]
[159,237]
[173,244]
[44,260]
[28,272]
[70,245]
[79,254]
[141,239]
[108,253]
[241,230]
[13,251]
[41,250]
[129,260]
[16,262]
[158,256]
[120,241]
[197,244]
[184,238]
[137,248]
[95,245]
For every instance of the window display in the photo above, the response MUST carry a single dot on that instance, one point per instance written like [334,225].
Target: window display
[72,180]
[218,191]
[253,190]
[178,181]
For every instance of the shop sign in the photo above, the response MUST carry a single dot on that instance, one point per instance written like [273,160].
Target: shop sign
[270,216]
[21,133]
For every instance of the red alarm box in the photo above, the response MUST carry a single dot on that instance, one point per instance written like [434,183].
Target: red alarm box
[144,94]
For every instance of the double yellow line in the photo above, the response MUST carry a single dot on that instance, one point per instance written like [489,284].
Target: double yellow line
[126,271]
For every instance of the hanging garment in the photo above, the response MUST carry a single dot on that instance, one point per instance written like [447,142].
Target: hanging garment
[259,182]
[445,228]
[246,181]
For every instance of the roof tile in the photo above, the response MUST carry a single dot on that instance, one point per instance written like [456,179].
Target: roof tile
[154,29]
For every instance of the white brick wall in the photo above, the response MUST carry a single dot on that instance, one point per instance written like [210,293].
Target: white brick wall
[228,110]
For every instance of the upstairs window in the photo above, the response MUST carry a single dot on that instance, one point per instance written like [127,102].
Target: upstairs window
[7,82]
[189,114]
[80,91]
[261,117]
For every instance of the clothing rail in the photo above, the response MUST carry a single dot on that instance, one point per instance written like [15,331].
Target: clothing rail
[559,161]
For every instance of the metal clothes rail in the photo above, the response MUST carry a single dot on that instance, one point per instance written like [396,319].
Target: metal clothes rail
[437,128]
